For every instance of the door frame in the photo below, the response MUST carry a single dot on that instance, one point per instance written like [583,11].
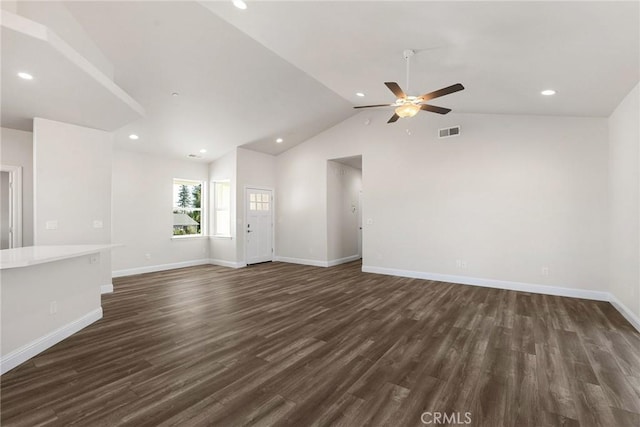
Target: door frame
[246,215]
[360,223]
[15,203]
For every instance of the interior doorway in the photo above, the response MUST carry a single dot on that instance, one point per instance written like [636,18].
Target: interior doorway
[259,229]
[10,207]
[344,209]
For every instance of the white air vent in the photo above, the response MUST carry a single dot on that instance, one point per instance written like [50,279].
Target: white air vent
[449,132]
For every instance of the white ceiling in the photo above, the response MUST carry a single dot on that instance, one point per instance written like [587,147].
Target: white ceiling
[291,69]
[232,91]
[504,53]
[65,87]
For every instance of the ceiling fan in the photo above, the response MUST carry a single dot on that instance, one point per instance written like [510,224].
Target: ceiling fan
[409,106]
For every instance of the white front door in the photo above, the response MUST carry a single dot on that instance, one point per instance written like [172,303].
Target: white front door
[259,227]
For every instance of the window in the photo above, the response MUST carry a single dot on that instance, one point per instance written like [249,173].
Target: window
[187,207]
[258,202]
[222,208]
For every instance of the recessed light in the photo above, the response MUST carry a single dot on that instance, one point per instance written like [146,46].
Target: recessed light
[134,136]
[203,151]
[359,94]
[279,140]
[25,76]
[175,94]
[240,4]
[548,92]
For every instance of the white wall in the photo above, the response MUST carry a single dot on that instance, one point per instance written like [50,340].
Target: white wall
[301,205]
[254,170]
[511,195]
[72,186]
[143,214]
[344,184]
[222,249]
[624,201]
[16,149]
[5,212]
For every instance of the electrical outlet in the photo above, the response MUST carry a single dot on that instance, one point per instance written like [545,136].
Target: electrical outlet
[53,307]
[463,264]
[94,259]
[97,223]
[51,224]
[147,256]
[459,263]
[544,271]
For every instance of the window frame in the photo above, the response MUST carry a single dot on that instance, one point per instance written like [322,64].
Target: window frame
[202,209]
[215,209]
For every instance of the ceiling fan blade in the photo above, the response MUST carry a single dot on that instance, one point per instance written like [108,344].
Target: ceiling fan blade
[393,118]
[434,109]
[442,92]
[393,87]
[371,106]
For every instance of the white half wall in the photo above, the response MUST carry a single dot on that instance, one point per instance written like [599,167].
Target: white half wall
[45,303]
[624,202]
[513,198]
[16,149]
[72,187]
[143,213]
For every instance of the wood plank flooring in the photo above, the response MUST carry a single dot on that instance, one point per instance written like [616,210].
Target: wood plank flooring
[283,344]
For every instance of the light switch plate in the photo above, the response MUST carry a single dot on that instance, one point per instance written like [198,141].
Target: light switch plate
[97,223]
[51,224]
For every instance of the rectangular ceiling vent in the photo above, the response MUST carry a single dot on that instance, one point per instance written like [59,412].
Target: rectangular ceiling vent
[449,132]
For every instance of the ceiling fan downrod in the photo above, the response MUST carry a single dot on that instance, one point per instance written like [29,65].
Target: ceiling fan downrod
[408,53]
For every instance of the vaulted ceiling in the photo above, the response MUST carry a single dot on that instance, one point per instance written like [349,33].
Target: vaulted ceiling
[291,69]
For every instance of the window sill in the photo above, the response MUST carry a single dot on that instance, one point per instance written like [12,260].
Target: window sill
[222,237]
[188,237]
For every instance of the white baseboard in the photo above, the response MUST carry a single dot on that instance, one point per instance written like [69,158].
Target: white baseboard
[36,347]
[625,311]
[224,263]
[161,267]
[106,289]
[313,262]
[492,283]
[344,260]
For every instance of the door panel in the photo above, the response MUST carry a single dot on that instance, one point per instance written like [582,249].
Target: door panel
[259,227]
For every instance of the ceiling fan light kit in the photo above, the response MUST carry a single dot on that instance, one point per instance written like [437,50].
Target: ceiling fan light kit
[409,106]
[407,110]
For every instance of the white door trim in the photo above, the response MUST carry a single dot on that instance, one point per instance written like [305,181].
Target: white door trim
[246,215]
[15,210]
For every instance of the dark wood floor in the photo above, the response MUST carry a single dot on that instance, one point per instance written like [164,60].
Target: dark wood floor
[281,344]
